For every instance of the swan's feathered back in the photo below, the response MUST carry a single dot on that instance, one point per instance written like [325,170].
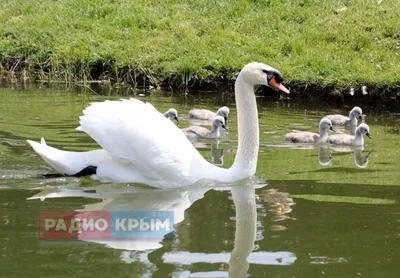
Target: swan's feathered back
[136,134]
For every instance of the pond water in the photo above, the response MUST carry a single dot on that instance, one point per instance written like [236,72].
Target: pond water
[312,211]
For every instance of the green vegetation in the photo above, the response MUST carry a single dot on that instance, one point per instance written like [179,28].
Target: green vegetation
[326,43]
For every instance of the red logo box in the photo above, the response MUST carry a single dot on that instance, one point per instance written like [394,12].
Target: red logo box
[60,225]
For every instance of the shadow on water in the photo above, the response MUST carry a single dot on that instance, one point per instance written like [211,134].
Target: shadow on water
[339,189]
[336,169]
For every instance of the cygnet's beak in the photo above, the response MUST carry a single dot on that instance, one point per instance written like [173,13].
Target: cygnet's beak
[369,135]
[361,117]
[331,128]
[176,119]
[278,86]
[226,119]
[225,127]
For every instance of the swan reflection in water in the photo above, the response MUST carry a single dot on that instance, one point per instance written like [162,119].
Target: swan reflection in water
[214,145]
[178,200]
[325,154]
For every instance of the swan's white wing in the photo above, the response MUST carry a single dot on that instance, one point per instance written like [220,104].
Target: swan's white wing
[136,135]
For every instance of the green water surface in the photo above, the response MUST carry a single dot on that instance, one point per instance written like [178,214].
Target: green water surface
[312,211]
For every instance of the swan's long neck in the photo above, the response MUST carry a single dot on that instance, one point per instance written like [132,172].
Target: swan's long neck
[353,119]
[323,133]
[247,115]
[359,139]
[215,130]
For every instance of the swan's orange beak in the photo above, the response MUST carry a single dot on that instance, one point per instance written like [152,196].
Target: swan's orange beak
[278,86]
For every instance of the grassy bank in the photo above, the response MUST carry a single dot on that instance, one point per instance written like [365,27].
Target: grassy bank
[338,44]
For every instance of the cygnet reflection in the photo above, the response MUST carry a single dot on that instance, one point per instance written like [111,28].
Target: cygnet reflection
[217,152]
[324,155]
[361,158]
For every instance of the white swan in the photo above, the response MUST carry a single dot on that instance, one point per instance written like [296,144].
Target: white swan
[351,120]
[204,114]
[138,151]
[346,139]
[172,114]
[199,131]
[311,137]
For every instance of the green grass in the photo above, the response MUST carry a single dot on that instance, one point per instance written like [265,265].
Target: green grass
[329,43]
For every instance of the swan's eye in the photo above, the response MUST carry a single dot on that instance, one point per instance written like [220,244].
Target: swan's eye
[269,74]
[273,74]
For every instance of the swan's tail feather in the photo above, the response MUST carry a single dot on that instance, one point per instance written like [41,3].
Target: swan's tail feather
[51,155]
[37,146]
[69,163]
[43,142]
